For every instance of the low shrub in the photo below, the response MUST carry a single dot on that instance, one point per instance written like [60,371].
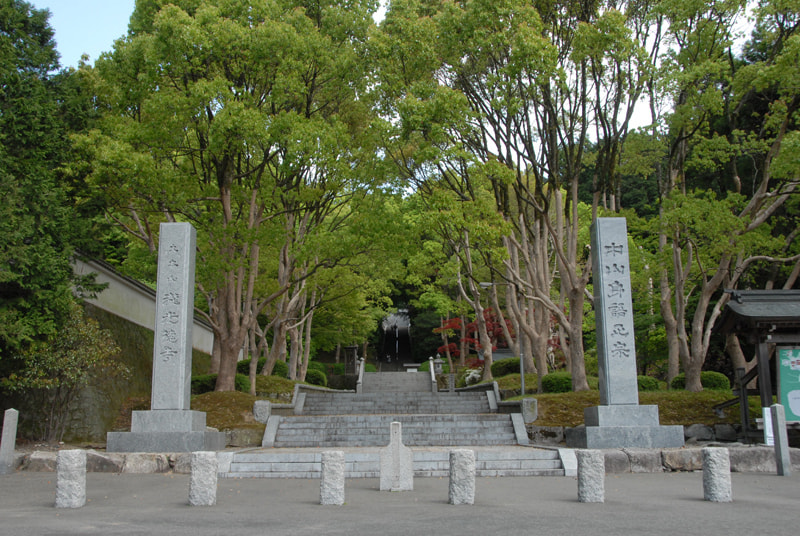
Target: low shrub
[557,382]
[647,383]
[714,381]
[316,377]
[369,367]
[316,365]
[206,383]
[338,369]
[280,369]
[243,367]
[504,367]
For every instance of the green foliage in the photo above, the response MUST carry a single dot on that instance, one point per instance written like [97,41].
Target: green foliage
[338,369]
[274,385]
[647,383]
[52,374]
[316,365]
[205,383]
[280,369]
[557,382]
[425,366]
[369,367]
[316,377]
[715,381]
[243,366]
[504,367]
[39,227]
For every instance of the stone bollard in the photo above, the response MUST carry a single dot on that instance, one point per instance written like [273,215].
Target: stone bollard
[783,459]
[203,482]
[71,479]
[462,476]
[591,476]
[717,475]
[397,463]
[8,443]
[331,487]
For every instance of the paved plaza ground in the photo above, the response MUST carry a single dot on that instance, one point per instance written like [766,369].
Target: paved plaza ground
[640,504]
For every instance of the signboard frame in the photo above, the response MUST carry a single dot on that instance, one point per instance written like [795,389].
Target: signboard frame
[789,381]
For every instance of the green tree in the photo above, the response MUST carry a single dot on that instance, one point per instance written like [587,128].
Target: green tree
[55,371]
[38,225]
[244,119]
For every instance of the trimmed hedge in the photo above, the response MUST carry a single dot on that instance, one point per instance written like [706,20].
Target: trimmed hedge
[243,367]
[205,383]
[369,367]
[425,366]
[647,383]
[316,365]
[504,367]
[316,377]
[557,382]
[713,381]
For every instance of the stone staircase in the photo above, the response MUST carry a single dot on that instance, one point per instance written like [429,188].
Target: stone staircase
[365,463]
[359,424]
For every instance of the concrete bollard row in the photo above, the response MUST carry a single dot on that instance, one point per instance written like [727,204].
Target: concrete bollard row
[717,475]
[462,477]
[203,481]
[591,476]
[331,487]
[71,479]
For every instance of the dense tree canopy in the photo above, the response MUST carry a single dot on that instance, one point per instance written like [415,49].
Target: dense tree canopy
[459,150]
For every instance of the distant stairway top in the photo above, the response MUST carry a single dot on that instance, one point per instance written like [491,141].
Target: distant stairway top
[401,382]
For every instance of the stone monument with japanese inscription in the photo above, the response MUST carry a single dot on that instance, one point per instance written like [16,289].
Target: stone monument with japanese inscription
[169,425]
[619,421]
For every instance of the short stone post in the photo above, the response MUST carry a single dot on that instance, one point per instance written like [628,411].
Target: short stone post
[203,482]
[397,463]
[71,479]
[591,476]
[462,476]
[782,457]
[331,487]
[8,443]
[717,475]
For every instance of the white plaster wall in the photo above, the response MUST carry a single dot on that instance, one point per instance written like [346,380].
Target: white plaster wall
[134,301]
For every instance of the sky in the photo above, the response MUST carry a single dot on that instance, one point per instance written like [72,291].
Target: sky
[86,26]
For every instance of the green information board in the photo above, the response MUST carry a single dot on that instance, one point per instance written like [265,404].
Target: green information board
[789,378]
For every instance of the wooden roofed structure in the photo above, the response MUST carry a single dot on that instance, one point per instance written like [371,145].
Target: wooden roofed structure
[761,318]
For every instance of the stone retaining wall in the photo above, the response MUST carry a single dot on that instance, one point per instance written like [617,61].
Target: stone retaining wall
[743,459]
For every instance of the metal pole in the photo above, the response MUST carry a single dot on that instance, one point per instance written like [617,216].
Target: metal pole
[522,373]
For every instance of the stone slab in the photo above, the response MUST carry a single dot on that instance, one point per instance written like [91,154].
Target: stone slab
[101,462]
[331,487]
[71,479]
[606,437]
[616,352]
[262,409]
[530,409]
[682,459]
[717,475]
[166,420]
[397,463]
[8,441]
[621,415]
[782,459]
[591,476]
[172,351]
[203,480]
[461,488]
[165,441]
[140,463]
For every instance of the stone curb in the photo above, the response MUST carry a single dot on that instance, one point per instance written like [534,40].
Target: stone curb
[743,459]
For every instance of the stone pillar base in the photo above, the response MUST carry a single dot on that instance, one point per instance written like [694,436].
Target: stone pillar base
[608,437]
[165,441]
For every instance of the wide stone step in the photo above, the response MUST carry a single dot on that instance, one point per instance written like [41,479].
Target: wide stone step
[375,382]
[365,463]
[325,403]
[373,430]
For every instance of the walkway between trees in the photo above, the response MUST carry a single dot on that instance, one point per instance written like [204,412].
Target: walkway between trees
[433,423]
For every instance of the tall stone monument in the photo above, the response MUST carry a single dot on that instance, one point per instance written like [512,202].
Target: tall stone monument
[619,421]
[169,425]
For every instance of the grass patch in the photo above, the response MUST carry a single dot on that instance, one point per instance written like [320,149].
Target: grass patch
[674,407]
[227,410]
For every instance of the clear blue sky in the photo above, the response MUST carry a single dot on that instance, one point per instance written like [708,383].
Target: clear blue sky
[86,26]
